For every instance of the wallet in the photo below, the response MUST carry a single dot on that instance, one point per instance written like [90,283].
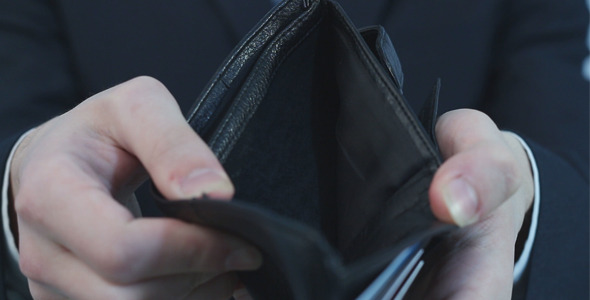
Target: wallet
[330,164]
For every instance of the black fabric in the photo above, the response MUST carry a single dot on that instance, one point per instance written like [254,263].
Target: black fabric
[275,156]
[518,60]
[557,246]
[13,286]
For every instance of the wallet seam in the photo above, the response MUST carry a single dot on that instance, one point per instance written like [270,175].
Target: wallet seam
[251,110]
[377,77]
[236,54]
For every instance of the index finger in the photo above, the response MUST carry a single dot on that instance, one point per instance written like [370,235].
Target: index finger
[79,212]
[143,118]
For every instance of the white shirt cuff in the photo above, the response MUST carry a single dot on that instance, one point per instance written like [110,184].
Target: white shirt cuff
[523,260]
[5,216]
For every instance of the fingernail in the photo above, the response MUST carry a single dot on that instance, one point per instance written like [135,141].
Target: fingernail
[206,181]
[244,259]
[242,294]
[461,200]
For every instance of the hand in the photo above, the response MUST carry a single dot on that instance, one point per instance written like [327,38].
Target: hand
[73,180]
[485,186]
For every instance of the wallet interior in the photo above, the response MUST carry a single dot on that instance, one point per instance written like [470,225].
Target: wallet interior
[314,128]
[329,141]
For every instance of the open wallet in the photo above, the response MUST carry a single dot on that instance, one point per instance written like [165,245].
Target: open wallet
[330,164]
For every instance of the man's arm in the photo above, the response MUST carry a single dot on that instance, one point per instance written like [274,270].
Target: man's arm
[13,284]
[36,84]
[130,257]
[73,180]
[538,91]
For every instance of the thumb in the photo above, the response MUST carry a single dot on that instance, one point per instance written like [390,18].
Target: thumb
[483,168]
[146,121]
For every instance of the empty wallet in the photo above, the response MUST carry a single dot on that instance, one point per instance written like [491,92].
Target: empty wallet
[331,166]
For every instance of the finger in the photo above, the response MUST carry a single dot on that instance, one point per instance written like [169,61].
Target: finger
[481,170]
[42,292]
[242,293]
[130,202]
[220,288]
[481,263]
[144,119]
[115,244]
[57,274]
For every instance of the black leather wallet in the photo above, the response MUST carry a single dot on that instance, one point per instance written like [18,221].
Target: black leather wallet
[331,166]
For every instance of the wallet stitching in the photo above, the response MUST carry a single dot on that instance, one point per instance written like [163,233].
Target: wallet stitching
[295,26]
[234,57]
[249,82]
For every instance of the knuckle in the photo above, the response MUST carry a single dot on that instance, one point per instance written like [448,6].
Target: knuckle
[130,258]
[117,264]
[40,293]
[26,206]
[141,83]
[146,82]
[135,92]
[508,167]
[36,187]
[32,266]
[138,98]
[205,251]
[460,118]
[187,243]
[144,86]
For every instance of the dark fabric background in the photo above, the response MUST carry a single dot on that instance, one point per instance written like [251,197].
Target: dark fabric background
[517,60]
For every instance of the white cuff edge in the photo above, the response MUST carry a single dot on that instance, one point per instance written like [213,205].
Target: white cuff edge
[5,216]
[523,260]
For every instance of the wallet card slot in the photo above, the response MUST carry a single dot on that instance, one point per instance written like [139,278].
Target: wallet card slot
[406,210]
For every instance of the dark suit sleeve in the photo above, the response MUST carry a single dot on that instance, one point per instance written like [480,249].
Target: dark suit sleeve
[35,84]
[538,91]
[13,284]
[36,78]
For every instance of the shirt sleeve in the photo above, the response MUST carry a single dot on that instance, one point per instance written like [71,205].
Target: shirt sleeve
[523,259]
[10,243]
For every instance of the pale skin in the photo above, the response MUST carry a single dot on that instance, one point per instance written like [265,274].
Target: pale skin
[73,180]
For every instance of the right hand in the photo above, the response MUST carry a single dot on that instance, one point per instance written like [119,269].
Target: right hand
[73,180]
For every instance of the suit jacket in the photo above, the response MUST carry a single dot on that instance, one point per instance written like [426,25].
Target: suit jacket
[517,60]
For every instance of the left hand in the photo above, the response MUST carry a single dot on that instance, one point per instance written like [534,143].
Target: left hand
[73,179]
[485,186]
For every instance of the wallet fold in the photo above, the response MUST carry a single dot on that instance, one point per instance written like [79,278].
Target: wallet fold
[330,164]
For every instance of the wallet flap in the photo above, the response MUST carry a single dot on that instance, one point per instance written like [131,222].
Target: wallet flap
[297,259]
[380,44]
[429,113]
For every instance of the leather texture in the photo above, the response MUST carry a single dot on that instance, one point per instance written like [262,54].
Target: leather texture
[309,110]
